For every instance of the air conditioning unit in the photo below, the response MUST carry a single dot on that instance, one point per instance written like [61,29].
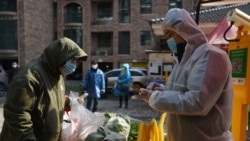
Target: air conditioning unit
[103,53]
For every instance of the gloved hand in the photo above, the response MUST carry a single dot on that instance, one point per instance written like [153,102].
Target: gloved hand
[145,94]
[156,86]
[102,91]
[81,98]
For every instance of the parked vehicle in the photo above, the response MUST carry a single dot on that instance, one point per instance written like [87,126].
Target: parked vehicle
[3,81]
[139,77]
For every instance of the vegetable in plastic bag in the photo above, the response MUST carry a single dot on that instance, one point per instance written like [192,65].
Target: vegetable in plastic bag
[115,128]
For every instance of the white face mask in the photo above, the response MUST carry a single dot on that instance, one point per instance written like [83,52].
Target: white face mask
[69,67]
[172,45]
[14,66]
[94,66]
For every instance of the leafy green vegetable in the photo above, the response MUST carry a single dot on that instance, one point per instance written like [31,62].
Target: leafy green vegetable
[116,127]
[107,115]
[95,136]
[133,133]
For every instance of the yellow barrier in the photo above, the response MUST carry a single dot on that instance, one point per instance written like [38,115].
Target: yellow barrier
[152,131]
[238,53]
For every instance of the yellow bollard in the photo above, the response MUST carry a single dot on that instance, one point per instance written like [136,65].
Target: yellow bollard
[239,55]
[166,77]
[152,131]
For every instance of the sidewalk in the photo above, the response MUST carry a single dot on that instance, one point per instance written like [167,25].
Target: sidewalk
[137,109]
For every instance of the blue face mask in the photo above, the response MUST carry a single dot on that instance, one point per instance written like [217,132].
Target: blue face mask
[69,67]
[172,45]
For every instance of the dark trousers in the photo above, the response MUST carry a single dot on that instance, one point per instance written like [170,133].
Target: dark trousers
[121,99]
[89,104]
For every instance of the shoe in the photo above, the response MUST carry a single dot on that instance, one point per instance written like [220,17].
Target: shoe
[94,110]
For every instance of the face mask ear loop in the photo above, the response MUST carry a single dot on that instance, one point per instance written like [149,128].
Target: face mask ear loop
[176,59]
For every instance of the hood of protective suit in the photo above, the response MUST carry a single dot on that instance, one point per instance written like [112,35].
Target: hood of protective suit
[59,51]
[180,21]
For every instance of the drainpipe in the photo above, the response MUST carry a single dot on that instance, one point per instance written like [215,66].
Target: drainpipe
[198,12]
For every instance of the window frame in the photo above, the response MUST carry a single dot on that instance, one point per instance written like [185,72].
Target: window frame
[71,29]
[145,35]
[73,13]
[104,10]
[9,33]
[104,40]
[124,11]
[145,6]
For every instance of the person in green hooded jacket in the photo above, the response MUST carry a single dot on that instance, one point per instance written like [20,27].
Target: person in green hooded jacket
[33,110]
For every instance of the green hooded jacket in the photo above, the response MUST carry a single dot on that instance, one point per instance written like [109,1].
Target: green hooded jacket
[34,105]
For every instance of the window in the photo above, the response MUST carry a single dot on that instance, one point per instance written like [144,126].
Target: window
[55,9]
[146,6]
[73,13]
[124,42]
[8,30]
[104,40]
[145,38]
[104,10]
[8,5]
[75,33]
[175,4]
[114,73]
[124,11]
[135,73]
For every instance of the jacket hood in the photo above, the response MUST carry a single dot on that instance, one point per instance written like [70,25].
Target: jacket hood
[180,21]
[126,65]
[59,51]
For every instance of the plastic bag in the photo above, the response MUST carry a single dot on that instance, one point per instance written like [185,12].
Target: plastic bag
[79,122]
[116,91]
[115,128]
[120,89]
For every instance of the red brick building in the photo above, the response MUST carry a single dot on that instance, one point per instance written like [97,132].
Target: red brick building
[110,31]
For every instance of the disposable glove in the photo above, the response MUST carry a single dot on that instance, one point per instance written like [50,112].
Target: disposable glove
[145,94]
[81,98]
[156,86]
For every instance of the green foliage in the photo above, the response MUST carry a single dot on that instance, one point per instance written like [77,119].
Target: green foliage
[133,134]
[74,88]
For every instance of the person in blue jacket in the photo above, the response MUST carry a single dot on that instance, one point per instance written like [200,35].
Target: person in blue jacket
[124,80]
[94,85]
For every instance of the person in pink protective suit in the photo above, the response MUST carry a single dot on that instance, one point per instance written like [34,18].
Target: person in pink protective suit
[199,93]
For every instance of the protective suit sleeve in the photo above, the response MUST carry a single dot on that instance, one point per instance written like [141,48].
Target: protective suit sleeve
[205,82]
[103,82]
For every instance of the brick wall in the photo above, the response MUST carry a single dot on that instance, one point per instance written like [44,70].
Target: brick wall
[35,28]
[138,22]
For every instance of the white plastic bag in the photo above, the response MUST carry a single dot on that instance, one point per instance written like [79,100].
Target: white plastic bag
[82,121]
